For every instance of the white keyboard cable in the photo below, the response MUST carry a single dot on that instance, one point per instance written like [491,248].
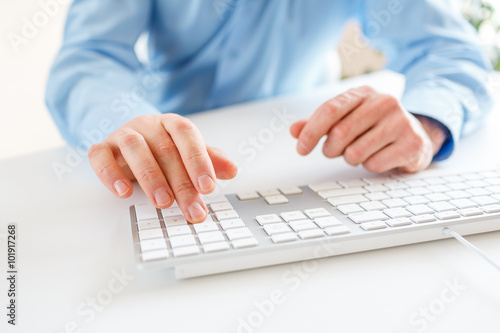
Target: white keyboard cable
[462,240]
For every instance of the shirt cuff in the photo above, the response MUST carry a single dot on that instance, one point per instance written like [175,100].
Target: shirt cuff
[443,108]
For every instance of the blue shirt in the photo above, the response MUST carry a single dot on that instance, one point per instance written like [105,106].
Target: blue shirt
[204,54]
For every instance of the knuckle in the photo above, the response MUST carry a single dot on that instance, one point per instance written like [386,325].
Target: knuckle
[165,148]
[182,124]
[331,107]
[329,151]
[353,155]
[183,189]
[195,156]
[149,174]
[373,166]
[95,150]
[104,170]
[340,131]
[130,138]
[389,102]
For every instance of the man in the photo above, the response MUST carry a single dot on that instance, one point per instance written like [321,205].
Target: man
[205,54]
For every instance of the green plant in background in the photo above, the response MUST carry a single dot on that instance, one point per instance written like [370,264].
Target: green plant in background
[484,15]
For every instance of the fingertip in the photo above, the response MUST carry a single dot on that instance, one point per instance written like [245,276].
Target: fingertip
[123,189]
[302,149]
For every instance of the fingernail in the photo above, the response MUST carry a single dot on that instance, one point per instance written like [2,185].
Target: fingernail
[206,183]
[121,187]
[162,197]
[196,211]
[301,148]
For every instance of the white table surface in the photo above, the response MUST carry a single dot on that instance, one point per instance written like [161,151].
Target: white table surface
[73,236]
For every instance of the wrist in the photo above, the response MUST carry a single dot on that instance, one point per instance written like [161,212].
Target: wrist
[435,131]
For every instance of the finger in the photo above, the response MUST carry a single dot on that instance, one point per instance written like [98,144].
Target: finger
[187,196]
[224,168]
[297,127]
[328,115]
[141,161]
[369,143]
[109,172]
[193,152]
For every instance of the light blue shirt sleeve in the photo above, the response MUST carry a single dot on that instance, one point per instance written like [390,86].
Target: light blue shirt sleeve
[446,71]
[93,84]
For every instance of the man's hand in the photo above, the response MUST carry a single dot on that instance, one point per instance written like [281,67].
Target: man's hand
[371,129]
[167,156]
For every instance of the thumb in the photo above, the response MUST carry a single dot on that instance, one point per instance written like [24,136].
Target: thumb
[224,168]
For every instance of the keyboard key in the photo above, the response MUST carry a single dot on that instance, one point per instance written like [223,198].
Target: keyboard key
[458,194]
[399,222]
[471,176]
[341,192]
[452,179]
[276,199]
[145,211]
[458,186]
[220,206]
[243,196]
[377,180]
[420,209]
[470,212]
[245,242]
[313,233]
[269,192]
[367,226]
[276,228]
[211,237]
[316,212]
[153,244]
[463,203]
[205,227]
[490,174]
[184,240]
[171,211]
[476,192]
[350,199]
[398,193]
[394,203]
[434,197]
[290,190]
[494,189]
[376,188]
[178,230]
[423,218]
[286,237]
[491,209]
[415,183]
[148,224]
[150,234]
[477,183]
[397,212]
[485,200]
[418,190]
[353,183]
[447,215]
[368,216]
[349,209]
[213,197]
[231,224]
[186,251]
[493,181]
[373,205]
[175,221]
[438,188]
[325,186]
[441,206]
[215,247]
[436,180]
[395,185]
[328,221]
[267,219]
[302,225]
[155,255]
[377,196]
[238,233]
[339,230]
[226,215]
[292,216]
[416,200]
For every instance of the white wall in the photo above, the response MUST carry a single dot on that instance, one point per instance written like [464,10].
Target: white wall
[25,124]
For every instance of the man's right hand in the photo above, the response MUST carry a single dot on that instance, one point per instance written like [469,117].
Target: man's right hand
[166,154]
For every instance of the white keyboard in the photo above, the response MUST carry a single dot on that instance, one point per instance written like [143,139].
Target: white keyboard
[274,226]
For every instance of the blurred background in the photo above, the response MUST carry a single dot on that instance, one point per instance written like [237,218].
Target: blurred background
[25,124]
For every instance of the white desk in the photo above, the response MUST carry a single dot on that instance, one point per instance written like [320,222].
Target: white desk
[73,234]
